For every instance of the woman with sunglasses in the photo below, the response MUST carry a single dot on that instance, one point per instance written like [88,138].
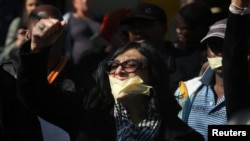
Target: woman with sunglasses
[143,107]
[131,101]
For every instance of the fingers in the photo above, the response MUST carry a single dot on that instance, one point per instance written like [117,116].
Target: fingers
[46,32]
[21,31]
[63,23]
[47,27]
[41,26]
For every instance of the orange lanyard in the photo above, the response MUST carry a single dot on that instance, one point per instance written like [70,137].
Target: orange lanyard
[55,72]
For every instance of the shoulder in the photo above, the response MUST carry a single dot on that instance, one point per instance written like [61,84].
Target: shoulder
[7,82]
[187,88]
[8,68]
[67,15]
[16,21]
[186,93]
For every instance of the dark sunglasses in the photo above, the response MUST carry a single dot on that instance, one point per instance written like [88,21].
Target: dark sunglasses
[129,66]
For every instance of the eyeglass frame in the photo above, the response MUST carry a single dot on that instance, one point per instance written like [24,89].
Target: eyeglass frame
[138,65]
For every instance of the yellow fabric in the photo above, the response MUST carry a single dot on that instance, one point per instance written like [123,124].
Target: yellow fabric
[131,85]
[183,90]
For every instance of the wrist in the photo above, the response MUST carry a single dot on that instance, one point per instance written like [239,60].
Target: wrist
[240,4]
[239,10]
[34,47]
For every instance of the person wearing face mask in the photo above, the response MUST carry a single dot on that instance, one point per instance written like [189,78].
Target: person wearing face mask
[202,98]
[130,102]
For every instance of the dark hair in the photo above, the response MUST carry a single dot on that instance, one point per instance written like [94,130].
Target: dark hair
[42,12]
[161,98]
[197,14]
[46,11]
[24,13]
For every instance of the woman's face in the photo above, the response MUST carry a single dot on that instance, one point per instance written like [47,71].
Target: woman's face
[81,5]
[131,54]
[31,5]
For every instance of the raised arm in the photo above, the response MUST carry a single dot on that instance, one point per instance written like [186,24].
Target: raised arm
[235,58]
[56,106]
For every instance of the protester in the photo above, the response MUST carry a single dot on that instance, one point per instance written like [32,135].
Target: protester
[9,9]
[202,98]
[129,109]
[16,32]
[148,23]
[84,45]
[193,20]
[172,35]
[114,32]
[193,23]
[219,11]
[60,73]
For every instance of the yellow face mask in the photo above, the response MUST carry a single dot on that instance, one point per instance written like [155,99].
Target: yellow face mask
[215,62]
[132,85]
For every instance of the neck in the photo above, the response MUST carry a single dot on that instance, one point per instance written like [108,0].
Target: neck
[138,114]
[83,15]
[219,87]
[137,108]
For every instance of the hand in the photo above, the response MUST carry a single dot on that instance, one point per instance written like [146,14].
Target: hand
[21,37]
[46,32]
[241,3]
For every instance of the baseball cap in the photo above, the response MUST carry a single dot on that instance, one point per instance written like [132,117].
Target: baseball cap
[216,30]
[147,11]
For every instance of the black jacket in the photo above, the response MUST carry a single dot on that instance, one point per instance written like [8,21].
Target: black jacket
[17,122]
[235,64]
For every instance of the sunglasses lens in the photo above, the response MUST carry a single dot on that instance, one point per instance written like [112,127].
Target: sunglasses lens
[129,66]
[111,66]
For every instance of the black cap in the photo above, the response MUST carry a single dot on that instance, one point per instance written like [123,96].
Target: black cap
[147,11]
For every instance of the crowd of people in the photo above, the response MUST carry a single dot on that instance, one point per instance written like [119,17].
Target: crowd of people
[84,76]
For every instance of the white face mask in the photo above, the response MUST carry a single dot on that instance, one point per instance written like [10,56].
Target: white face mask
[215,62]
[132,85]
